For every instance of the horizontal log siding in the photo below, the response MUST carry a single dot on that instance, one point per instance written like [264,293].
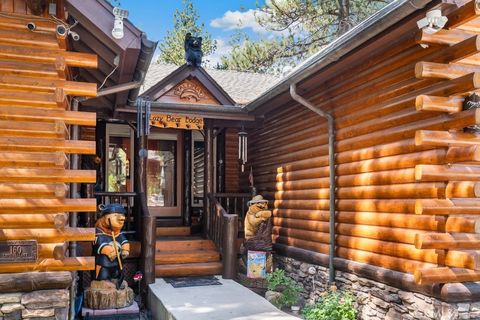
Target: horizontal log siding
[377,117]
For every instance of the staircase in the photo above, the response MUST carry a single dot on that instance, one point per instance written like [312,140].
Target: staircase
[179,254]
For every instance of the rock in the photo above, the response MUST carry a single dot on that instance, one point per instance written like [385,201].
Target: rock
[475,306]
[46,299]
[463,307]
[10,298]
[272,295]
[61,313]
[104,295]
[16,315]
[11,307]
[312,271]
[406,296]
[38,313]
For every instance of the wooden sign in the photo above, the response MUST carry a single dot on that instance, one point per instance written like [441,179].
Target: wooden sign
[176,121]
[18,251]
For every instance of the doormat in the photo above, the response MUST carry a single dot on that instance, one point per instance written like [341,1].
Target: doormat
[183,282]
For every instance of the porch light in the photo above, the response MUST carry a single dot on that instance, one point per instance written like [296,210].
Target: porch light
[433,22]
[242,147]
[120,14]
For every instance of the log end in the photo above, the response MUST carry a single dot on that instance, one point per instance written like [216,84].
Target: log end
[419,66]
[419,99]
[419,136]
[418,174]
[418,241]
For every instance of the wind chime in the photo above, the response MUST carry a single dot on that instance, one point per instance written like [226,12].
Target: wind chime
[242,147]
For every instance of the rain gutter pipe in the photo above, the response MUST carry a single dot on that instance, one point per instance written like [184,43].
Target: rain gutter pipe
[331,162]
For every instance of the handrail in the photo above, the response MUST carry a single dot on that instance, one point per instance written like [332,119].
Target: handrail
[224,232]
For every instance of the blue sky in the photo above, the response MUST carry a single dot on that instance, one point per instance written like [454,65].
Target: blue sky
[221,18]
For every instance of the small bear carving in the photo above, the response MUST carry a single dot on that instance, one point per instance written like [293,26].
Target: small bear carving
[193,50]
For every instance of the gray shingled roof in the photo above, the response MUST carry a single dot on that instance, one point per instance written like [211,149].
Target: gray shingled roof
[243,87]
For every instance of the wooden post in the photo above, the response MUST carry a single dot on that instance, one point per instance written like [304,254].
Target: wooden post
[229,253]
[208,176]
[187,177]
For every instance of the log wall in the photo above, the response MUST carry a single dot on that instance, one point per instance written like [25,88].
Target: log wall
[35,144]
[407,174]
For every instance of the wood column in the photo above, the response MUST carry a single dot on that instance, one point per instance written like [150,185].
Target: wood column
[187,177]
[208,176]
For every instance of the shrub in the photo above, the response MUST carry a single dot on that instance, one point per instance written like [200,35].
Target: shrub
[289,288]
[333,306]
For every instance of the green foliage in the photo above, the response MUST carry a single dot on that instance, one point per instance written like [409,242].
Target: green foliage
[333,306]
[289,288]
[302,27]
[185,20]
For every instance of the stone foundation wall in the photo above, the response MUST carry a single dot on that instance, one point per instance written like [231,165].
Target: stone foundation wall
[375,300]
[36,305]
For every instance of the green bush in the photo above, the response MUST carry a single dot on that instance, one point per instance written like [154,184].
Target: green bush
[333,306]
[289,288]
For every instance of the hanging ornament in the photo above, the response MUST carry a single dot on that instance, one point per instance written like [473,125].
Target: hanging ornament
[242,147]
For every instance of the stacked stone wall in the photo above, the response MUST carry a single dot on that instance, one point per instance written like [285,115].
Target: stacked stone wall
[35,305]
[375,300]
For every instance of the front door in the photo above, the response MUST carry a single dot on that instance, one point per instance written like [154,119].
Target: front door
[164,173]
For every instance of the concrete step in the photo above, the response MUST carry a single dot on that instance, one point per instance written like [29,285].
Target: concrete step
[181,257]
[188,269]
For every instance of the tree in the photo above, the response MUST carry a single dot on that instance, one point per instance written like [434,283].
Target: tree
[185,20]
[301,27]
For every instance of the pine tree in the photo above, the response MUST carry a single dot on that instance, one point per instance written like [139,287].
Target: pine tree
[302,26]
[185,20]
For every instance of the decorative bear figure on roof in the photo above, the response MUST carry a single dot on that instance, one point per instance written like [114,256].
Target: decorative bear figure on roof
[193,50]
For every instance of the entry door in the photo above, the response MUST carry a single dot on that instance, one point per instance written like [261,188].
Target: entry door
[164,174]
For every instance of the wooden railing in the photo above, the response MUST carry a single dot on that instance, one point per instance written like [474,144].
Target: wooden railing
[127,199]
[223,230]
[235,203]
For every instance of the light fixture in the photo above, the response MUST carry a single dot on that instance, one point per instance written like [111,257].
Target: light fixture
[433,21]
[120,14]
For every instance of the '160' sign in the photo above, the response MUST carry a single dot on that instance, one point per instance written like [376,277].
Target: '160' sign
[18,251]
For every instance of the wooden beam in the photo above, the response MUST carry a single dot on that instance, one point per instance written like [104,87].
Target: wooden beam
[469,259]
[442,37]
[29,159]
[33,281]
[447,173]
[463,154]
[52,250]
[374,205]
[46,115]
[446,139]
[38,206]
[462,189]
[68,264]
[47,145]
[49,235]
[25,129]
[448,207]
[33,221]
[29,190]
[462,223]
[464,14]
[432,70]
[445,275]
[46,175]
[439,104]
[447,241]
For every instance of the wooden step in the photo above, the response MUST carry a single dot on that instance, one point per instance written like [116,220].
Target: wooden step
[41,55]
[172,231]
[46,115]
[188,269]
[53,130]
[29,38]
[47,145]
[28,69]
[32,159]
[32,190]
[36,84]
[10,98]
[46,175]
[181,257]
[13,206]
[184,245]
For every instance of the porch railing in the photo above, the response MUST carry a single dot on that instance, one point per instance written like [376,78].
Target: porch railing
[227,211]
[127,199]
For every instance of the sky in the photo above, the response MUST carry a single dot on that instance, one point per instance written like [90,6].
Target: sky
[221,18]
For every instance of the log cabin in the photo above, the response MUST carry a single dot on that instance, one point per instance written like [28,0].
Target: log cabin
[78,130]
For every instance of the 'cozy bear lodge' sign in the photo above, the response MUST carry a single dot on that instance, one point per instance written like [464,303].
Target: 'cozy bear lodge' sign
[176,121]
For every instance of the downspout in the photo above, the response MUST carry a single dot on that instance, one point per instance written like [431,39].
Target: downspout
[331,162]
[74,194]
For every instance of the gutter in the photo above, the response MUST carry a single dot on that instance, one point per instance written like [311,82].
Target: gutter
[331,162]
[372,26]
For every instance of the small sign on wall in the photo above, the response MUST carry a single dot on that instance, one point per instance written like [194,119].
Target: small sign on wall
[176,121]
[18,251]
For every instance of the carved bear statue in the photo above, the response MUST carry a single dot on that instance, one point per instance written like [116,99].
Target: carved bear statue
[193,50]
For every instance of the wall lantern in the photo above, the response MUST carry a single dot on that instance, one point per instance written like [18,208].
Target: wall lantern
[120,14]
